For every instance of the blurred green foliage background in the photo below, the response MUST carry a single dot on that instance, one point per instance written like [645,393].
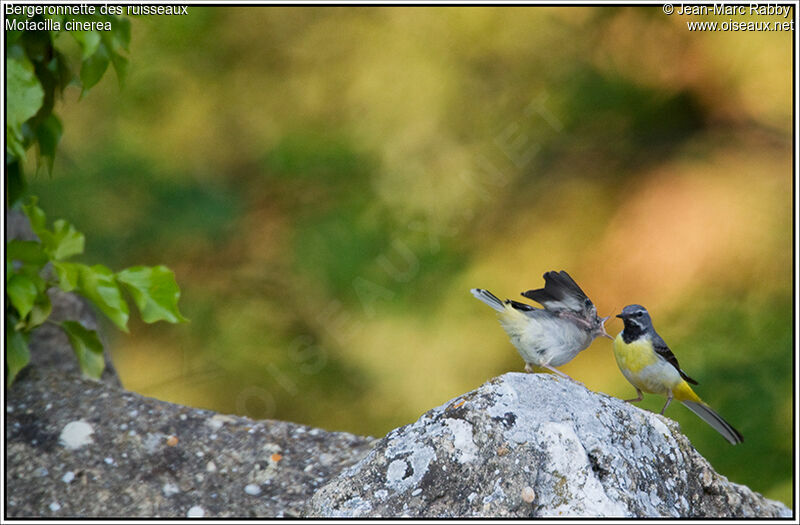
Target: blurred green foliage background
[329,183]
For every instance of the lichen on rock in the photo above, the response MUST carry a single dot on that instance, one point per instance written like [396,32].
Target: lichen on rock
[534,445]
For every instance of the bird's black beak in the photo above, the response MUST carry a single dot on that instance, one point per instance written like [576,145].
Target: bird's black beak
[620,316]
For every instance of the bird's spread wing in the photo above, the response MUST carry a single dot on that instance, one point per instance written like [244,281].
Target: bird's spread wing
[560,293]
[663,350]
[520,306]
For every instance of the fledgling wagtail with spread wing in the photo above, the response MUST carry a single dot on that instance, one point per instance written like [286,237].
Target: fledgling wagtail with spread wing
[554,335]
[647,362]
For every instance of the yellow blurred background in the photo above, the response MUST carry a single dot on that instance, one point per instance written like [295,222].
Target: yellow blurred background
[329,183]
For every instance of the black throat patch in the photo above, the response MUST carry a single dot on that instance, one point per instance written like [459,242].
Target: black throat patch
[632,332]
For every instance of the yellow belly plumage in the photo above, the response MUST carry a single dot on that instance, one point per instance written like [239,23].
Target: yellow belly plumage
[634,356]
[649,372]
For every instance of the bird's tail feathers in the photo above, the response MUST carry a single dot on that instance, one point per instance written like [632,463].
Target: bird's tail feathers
[683,392]
[708,415]
[489,298]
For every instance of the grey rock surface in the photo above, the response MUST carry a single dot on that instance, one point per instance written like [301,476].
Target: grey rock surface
[18,227]
[77,447]
[536,445]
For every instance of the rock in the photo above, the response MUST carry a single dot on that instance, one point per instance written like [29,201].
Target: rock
[18,226]
[108,452]
[534,445]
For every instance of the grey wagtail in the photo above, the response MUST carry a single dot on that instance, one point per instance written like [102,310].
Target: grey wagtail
[647,362]
[554,335]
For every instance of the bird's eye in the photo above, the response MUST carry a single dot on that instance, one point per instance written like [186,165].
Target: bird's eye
[587,303]
[638,314]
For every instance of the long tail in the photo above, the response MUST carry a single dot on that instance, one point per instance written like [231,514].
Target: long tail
[487,297]
[715,420]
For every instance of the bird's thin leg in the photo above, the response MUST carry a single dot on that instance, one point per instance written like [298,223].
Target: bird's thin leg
[637,399]
[556,371]
[529,368]
[562,374]
[669,400]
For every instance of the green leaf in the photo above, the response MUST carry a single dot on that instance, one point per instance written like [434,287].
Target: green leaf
[22,292]
[63,242]
[14,143]
[121,31]
[24,94]
[32,272]
[93,67]
[36,217]
[26,251]
[59,67]
[42,308]
[49,134]
[17,354]
[68,274]
[113,42]
[97,284]
[38,221]
[154,291]
[88,40]
[66,240]
[87,346]
[15,178]
[120,64]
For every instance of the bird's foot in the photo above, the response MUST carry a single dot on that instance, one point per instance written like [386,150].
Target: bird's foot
[636,399]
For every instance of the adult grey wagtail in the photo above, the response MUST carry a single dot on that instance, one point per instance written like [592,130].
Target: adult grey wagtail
[550,336]
[647,362]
